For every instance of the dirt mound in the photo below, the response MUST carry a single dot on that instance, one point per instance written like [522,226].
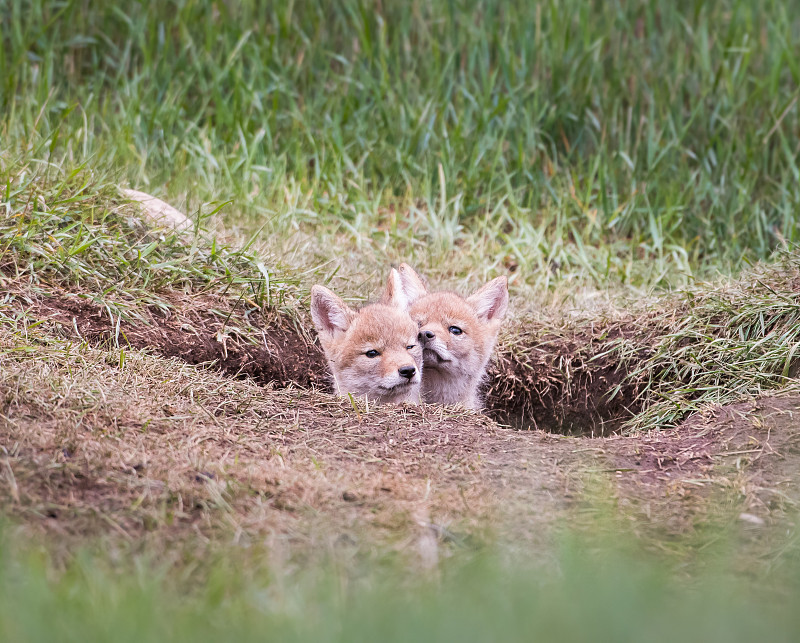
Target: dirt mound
[93,446]
[156,450]
[556,383]
[195,331]
[567,382]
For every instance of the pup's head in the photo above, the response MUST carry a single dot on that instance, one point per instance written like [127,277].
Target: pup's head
[457,334]
[373,352]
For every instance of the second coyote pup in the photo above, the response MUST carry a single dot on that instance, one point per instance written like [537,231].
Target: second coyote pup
[457,336]
[372,352]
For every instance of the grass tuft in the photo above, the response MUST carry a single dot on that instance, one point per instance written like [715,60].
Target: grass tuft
[736,340]
[72,230]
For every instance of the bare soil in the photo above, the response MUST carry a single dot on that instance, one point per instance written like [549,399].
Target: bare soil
[198,330]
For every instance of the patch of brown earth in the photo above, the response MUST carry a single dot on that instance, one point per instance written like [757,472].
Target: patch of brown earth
[198,330]
[735,464]
[761,437]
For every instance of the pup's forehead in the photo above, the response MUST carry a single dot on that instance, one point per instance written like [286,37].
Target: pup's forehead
[442,305]
[380,323]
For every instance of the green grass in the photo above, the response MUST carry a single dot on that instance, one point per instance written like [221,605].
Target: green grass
[598,143]
[717,345]
[73,233]
[586,593]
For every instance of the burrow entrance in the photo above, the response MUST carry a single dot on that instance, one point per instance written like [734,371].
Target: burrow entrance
[554,384]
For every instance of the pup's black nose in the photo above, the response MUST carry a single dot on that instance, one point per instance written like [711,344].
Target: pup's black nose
[407,371]
[425,335]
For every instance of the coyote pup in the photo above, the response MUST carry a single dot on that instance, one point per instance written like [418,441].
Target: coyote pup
[372,352]
[457,336]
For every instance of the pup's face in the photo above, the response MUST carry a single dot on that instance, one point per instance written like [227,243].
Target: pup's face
[454,339]
[457,334]
[379,355]
[373,352]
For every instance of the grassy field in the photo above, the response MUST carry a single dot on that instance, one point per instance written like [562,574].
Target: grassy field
[582,143]
[632,167]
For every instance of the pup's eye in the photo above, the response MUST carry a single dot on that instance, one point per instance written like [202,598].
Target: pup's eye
[408,348]
[372,353]
[455,330]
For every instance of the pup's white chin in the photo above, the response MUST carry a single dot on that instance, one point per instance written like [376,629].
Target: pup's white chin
[399,393]
[399,387]
[431,358]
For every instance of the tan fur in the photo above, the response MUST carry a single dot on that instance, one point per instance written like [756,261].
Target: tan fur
[348,335]
[455,364]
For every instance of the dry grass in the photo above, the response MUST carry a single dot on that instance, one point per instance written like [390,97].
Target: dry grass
[119,441]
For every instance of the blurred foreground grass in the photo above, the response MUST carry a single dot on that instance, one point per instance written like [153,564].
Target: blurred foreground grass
[585,592]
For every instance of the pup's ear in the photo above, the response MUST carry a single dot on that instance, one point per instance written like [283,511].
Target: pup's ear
[403,287]
[491,301]
[394,295]
[330,314]
[412,283]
